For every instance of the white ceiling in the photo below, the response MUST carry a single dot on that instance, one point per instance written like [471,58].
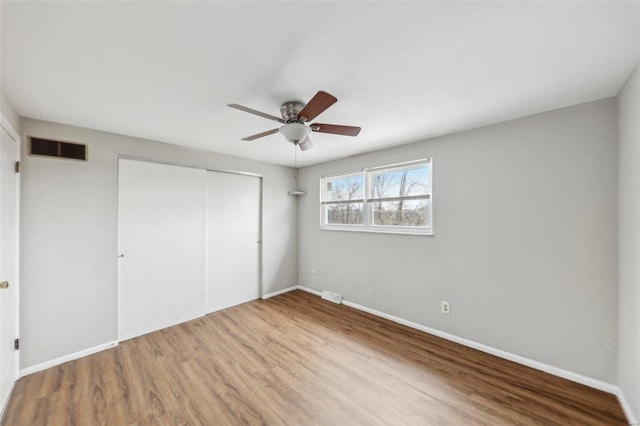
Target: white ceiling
[402,71]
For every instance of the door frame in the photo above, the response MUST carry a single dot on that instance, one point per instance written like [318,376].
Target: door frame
[210,169]
[13,134]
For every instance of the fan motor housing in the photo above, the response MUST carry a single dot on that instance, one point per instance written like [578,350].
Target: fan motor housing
[290,110]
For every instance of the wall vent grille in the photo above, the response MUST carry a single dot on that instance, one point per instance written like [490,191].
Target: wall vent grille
[57,149]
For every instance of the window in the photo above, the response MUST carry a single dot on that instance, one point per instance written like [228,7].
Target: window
[395,198]
[344,199]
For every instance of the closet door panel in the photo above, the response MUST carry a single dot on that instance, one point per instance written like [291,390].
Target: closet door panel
[162,238]
[233,234]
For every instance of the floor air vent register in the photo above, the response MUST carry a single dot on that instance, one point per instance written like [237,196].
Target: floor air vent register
[332,297]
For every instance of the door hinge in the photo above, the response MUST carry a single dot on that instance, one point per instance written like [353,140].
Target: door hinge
[16,344]
[17,167]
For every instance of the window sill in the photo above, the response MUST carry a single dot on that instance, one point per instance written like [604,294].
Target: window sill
[427,233]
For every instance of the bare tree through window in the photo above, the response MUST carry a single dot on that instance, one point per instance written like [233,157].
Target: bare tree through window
[350,192]
[399,184]
[394,197]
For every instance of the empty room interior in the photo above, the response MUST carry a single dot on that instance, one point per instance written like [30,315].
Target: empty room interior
[320,212]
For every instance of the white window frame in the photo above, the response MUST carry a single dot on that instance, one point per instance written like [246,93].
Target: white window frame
[323,202]
[367,201]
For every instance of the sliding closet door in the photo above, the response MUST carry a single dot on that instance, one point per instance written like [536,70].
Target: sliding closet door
[162,230]
[233,234]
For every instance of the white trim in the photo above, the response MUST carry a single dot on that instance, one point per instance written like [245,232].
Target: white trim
[309,290]
[626,408]
[574,377]
[6,402]
[4,123]
[16,283]
[404,164]
[182,164]
[559,372]
[400,231]
[16,370]
[276,293]
[66,358]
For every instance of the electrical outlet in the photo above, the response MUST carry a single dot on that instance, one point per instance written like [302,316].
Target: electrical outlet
[313,274]
[444,307]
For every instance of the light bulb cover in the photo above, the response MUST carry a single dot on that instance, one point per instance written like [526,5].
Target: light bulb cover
[295,132]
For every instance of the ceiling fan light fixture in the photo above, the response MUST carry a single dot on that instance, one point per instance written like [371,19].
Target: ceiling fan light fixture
[294,116]
[295,132]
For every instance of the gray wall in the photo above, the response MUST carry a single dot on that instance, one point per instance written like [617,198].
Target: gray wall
[525,239]
[628,375]
[69,216]
[7,111]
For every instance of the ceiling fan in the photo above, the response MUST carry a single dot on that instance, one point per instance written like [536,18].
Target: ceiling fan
[295,115]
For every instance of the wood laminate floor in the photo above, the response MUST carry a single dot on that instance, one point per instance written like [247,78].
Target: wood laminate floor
[296,359]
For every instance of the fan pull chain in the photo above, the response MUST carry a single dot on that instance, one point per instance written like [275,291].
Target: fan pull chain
[295,160]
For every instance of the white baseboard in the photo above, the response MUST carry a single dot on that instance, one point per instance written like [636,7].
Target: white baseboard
[6,402]
[309,290]
[284,290]
[66,358]
[626,408]
[559,372]
[569,375]
[575,377]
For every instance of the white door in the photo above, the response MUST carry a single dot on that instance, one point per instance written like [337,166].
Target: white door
[8,258]
[161,238]
[233,239]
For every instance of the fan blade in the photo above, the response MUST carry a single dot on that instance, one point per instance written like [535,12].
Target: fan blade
[260,135]
[255,112]
[316,106]
[335,129]
[305,144]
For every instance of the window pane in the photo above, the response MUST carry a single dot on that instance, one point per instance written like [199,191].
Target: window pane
[394,199]
[344,214]
[400,213]
[400,183]
[344,188]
